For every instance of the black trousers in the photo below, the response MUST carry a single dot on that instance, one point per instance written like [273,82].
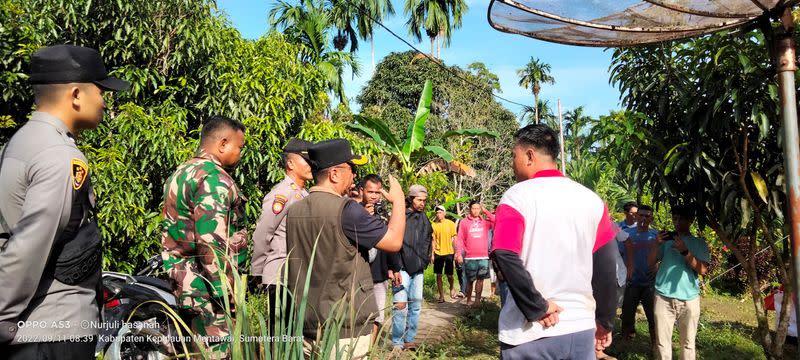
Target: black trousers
[274,294]
[65,350]
[635,295]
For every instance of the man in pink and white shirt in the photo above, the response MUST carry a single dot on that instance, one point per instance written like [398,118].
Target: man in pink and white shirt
[551,245]
[472,248]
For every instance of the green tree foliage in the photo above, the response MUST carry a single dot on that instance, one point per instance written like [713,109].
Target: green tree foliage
[406,153]
[185,62]
[545,115]
[437,18]
[399,79]
[576,132]
[709,136]
[361,15]
[392,95]
[480,71]
[532,76]
[354,18]
[311,24]
[587,159]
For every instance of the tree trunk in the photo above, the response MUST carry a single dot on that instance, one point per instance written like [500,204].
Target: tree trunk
[762,330]
[433,46]
[773,347]
[536,106]
[747,260]
[561,135]
[783,322]
[439,46]
[460,181]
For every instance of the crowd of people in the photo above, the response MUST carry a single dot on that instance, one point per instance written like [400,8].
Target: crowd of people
[660,270]
[550,248]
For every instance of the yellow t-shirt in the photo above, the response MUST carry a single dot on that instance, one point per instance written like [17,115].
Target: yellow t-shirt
[443,233]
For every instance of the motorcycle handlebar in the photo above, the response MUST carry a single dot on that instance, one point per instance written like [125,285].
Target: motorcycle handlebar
[153,264]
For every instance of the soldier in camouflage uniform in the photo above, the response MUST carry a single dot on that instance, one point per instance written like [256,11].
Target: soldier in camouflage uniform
[201,246]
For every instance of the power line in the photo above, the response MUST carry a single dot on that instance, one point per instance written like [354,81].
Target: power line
[739,264]
[434,60]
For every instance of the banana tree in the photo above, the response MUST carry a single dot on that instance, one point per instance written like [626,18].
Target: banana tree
[406,153]
[448,205]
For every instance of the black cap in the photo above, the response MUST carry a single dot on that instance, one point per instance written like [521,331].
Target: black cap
[63,64]
[325,154]
[299,147]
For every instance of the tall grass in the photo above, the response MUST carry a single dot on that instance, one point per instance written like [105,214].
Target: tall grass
[250,335]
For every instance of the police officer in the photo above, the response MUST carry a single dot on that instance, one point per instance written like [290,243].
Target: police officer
[269,238]
[51,254]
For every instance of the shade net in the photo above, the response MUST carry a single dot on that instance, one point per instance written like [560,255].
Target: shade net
[614,23]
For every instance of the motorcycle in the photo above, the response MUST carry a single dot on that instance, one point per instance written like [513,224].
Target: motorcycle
[135,321]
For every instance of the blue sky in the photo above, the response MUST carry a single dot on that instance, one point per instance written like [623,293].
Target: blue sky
[581,73]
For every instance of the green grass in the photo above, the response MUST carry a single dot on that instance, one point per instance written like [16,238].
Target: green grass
[715,340]
[726,332]
[474,336]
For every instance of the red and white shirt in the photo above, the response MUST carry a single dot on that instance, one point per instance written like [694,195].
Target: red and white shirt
[554,224]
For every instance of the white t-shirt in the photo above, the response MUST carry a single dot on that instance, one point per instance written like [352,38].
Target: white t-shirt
[562,223]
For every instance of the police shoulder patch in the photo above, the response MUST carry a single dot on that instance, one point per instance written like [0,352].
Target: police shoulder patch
[278,204]
[80,171]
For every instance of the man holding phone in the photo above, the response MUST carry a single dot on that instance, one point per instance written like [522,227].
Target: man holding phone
[371,193]
[683,258]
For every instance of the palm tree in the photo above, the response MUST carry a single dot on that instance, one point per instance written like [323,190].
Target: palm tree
[309,24]
[306,23]
[457,10]
[577,121]
[545,112]
[436,17]
[344,15]
[370,11]
[533,76]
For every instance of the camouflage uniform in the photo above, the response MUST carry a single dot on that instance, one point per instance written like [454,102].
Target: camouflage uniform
[202,205]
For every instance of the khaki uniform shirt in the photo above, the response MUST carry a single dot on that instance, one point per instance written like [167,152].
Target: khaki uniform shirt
[269,238]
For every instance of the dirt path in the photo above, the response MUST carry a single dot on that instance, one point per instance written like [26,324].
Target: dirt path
[436,322]
[436,319]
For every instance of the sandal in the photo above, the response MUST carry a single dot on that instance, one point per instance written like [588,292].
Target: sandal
[440,301]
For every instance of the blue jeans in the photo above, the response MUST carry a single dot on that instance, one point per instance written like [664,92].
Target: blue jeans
[462,278]
[575,346]
[502,289]
[405,321]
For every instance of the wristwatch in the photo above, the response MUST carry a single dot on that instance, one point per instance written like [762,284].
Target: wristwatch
[685,252]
